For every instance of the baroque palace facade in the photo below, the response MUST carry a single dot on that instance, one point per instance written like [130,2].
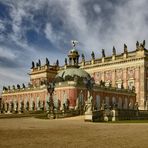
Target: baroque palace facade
[128,69]
[106,80]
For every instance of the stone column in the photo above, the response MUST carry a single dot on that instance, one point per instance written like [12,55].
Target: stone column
[125,78]
[137,83]
[114,78]
[142,87]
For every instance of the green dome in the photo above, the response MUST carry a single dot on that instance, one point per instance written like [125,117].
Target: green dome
[72,73]
[73,51]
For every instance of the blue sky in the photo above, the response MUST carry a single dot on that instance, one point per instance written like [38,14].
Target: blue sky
[36,29]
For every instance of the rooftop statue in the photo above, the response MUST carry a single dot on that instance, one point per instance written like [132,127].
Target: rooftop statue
[47,62]
[39,62]
[114,51]
[125,48]
[57,63]
[33,65]
[92,55]
[143,43]
[103,53]
[74,42]
[5,88]
[83,57]
[65,61]
[137,44]
[23,85]
[18,86]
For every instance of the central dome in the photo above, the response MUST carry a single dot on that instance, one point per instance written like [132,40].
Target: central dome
[73,51]
[71,73]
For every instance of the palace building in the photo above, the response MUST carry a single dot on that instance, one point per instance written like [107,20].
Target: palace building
[128,69]
[118,80]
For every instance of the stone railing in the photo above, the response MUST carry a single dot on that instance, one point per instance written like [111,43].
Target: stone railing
[24,89]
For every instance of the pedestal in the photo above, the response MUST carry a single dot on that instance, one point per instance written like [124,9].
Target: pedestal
[113,115]
[105,118]
[88,116]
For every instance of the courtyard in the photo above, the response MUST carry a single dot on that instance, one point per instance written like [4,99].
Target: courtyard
[71,133]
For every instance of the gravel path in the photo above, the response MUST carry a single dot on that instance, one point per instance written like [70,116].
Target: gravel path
[71,133]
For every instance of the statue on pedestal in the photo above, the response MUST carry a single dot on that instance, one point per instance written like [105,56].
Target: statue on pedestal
[47,62]
[88,104]
[33,65]
[103,53]
[114,51]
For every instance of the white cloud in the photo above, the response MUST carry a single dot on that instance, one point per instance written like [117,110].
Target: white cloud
[7,53]
[50,34]
[12,76]
[97,8]
[2,27]
[128,24]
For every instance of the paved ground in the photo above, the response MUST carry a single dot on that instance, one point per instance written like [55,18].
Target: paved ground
[71,133]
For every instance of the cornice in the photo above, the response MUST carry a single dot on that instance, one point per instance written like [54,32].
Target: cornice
[111,63]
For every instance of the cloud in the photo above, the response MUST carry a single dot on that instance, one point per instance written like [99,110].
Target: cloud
[97,8]
[11,76]
[52,24]
[2,27]
[114,25]
[7,53]
[52,35]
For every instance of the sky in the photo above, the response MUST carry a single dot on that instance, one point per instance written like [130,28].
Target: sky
[36,29]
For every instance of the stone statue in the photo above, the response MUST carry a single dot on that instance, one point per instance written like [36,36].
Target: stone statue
[125,48]
[114,51]
[39,62]
[65,61]
[47,62]
[83,57]
[5,88]
[137,44]
[102,105]
[57,63]
[18,86]
[92,55]
[33,65]
[74,42]
[23,85]
[88,103]
[103,53]
[143,43]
